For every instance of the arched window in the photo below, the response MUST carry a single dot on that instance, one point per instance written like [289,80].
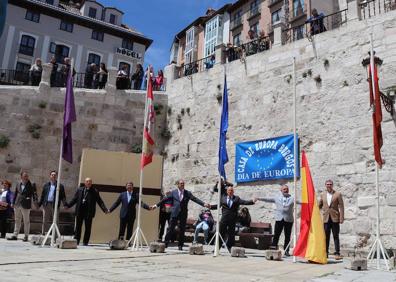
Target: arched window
[93,58]
[26,46]
[60,51]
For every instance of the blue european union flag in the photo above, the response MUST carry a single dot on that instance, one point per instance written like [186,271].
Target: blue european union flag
[223,156]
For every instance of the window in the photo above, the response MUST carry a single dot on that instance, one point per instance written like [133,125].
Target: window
[92,12]
[125,64]
[236,40]
[27,45]
[255,28]
[213,35]
[127,44]
[298,8]
[60,51]
[113,19]
[276,16]
[97,35]
[254,7]
[51,2]
[93,58]
[190,35]
[66,26]
[32,16]
[298,32]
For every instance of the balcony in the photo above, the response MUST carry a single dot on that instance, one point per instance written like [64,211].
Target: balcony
[237,22]
[254,12]
[273,2]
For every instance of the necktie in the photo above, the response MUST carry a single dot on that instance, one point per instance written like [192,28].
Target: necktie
[181,195]
[229,202]
[129,197]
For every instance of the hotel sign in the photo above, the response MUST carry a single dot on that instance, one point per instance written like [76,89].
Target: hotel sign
[128,53]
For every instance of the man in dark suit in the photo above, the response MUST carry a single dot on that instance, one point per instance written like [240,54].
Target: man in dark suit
[230,206]
[47,200]
[180,198]
[85,200]
[25,191]
[128,201]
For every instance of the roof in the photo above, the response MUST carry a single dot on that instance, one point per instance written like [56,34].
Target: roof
[236,5]
[73,14]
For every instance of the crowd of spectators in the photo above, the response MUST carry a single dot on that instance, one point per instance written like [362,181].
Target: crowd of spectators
[138,79]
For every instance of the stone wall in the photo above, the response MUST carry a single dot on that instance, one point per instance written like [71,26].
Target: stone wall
[333,121]
[106,119]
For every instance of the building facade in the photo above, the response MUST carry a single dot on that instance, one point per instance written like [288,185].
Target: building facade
[236,23]
[86,31]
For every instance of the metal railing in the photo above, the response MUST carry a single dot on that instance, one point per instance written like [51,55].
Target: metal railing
[371,8]
[247,49]
[315,26]
[17,77]
[196,66]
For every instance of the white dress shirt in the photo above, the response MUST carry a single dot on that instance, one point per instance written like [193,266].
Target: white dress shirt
[329,197]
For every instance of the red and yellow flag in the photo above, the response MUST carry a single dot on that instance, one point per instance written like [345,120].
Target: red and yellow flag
[148,141]
[311,242]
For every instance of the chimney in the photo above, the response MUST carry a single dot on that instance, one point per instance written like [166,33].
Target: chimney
[210,11]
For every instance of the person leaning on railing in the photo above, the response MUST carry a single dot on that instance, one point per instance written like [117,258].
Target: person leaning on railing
[35,72]
[54,70]
[210,63]
[101,76]
[64,72]
[316,22]
[122,81]
[90,72]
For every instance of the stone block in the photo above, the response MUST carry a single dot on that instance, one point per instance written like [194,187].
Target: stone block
[118,244]
[238,252]
[273,254]
[196,249]
[391,200]
[156,247]
[359,264]
[66,243]
[362,226]
[39,239]
[365,202]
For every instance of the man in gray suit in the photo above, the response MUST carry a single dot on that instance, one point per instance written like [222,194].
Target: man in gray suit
[284,205]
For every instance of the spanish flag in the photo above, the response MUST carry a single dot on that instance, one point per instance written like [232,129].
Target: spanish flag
[311,242]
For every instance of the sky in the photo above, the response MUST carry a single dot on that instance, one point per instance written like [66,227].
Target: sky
[161,20]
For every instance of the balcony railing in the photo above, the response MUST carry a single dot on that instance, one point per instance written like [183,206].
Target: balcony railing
[197,66]
[254,12]
[18,77]
[250,48]
[235,23]
[370,8]
[315,26]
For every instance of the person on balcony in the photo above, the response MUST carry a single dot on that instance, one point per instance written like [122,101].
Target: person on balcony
[210,63]
[159,80]
[54,71]
[90,72]
[316,21]
[65,70]
[35,72]
[137,77]
[122,80]
[101,76]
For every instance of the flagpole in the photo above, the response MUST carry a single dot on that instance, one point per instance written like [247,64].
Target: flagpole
[138,233]
[54,229]
[377,243]
[295,157]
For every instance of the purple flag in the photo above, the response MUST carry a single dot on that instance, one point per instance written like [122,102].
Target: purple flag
[68,117]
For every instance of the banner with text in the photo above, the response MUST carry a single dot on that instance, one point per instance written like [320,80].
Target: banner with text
[265,159]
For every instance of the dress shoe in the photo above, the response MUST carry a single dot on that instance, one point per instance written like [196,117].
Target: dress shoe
[166,244]
[338,257]
[180,248]
[85,244]
[25,239]
[13,238]
[287,254]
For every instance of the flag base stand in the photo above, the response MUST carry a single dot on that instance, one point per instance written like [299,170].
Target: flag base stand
[377,249]
[54,230]
[138,239]
[217,236]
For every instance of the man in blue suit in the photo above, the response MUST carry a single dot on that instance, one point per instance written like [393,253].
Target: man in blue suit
[128,201]
[180,198]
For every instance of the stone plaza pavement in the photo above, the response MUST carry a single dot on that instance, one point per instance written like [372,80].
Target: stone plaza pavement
[21,261]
